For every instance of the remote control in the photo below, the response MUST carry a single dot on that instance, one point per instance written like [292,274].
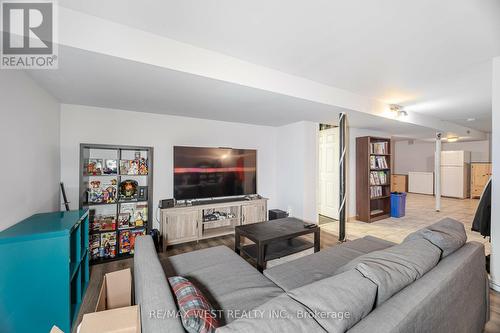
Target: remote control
[309,225]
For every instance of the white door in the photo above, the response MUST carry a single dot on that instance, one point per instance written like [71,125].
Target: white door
[452,181]
[329,187]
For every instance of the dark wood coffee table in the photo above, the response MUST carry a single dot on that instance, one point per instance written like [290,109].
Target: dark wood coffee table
[275,239]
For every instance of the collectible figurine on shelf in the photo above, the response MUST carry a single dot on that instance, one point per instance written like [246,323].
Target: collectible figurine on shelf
[106,223]
[124,165]
[110,167]
[133,235]
[133,167]
[94,167]
[124,242]
[128,189]
[108,242]
[94,244]
[143,166]
[139,222]
[123,220]
[109,193]
[95,192]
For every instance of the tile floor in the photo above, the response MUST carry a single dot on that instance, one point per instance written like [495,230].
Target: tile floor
[419,213]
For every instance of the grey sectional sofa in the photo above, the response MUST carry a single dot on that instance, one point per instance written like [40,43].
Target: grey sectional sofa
[311,293]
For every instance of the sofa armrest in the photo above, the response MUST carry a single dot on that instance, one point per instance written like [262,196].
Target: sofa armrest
[152,291]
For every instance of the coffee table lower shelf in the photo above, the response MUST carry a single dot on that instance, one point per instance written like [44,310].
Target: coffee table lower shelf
[278,249]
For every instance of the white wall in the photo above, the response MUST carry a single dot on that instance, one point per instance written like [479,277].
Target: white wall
[297,169]
[29,132]
[84,124]
[287,156]
[480,150]
[419,156]
[495,199]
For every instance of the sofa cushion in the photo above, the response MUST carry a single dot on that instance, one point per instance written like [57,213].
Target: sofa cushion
[394,268]
[338,302]
[323,264]
[280,314]
[451,297]
[197,315]
[448,234]
[226,279]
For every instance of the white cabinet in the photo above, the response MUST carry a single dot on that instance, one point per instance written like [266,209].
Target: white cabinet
[421,182]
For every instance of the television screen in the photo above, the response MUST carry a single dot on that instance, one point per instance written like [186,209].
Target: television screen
[214,172]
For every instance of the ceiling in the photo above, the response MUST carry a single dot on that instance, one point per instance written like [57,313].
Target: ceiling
[434,57]
[107,81]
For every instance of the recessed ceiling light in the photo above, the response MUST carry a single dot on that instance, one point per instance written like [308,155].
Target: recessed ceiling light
[471,119]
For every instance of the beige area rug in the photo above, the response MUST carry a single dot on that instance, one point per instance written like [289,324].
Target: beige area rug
[420,213]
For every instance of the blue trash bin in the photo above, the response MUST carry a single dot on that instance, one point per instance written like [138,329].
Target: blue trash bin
[398,203]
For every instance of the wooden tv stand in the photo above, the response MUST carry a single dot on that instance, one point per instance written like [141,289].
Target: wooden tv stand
[187,223]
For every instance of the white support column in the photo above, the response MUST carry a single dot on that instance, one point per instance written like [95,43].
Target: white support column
[437,172]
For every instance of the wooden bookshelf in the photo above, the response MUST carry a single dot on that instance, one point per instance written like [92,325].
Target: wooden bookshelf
[373,178]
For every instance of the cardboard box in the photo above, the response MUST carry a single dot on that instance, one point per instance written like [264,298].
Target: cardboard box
[121,320]
[114,312]
[116,290]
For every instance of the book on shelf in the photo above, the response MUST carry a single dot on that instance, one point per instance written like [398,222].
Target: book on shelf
[378,177]
[376,211]
[376,191]
[378,162]
[380,148]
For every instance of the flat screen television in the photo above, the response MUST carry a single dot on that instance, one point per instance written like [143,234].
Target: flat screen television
[214,172]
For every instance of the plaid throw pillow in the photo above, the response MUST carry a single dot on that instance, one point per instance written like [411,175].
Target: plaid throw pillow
[197,315]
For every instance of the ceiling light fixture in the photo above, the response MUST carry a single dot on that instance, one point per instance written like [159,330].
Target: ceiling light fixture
[398,110]
[452,138]
[471,119]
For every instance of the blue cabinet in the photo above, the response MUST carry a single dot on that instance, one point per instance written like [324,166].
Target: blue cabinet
[44,272]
